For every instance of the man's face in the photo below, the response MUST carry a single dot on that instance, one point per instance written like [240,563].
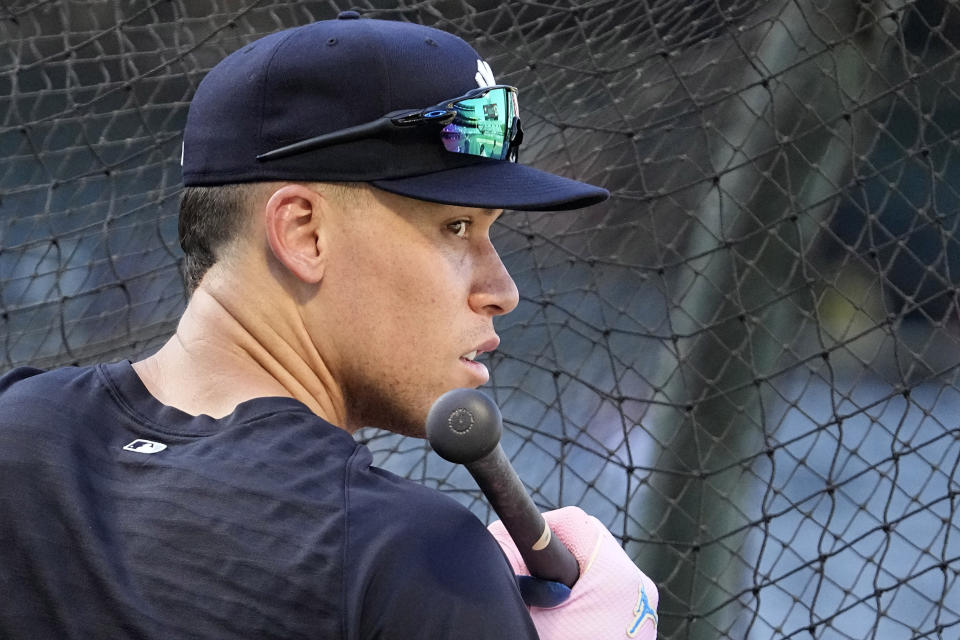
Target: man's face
[408,296]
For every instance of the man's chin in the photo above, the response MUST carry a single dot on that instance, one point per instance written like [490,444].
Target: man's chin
[388,414]
[410,425]
[406,430]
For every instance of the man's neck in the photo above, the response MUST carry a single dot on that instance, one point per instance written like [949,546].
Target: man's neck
[224,353]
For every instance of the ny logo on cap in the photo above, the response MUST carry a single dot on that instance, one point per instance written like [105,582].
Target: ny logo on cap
[484,75]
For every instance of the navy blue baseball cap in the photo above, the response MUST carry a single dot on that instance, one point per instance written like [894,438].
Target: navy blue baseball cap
[331,75]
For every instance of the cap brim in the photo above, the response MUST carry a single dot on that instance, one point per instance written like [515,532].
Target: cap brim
[497,185]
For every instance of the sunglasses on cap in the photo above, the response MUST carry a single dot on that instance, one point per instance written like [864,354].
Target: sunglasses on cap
[484,122]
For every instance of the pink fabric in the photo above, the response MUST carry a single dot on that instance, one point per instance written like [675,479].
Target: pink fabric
[612,599]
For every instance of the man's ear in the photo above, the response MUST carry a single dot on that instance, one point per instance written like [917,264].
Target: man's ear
[295,231]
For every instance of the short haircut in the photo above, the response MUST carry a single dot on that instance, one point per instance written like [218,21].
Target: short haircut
[210,218]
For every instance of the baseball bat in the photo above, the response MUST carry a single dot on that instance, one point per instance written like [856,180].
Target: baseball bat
[464,427]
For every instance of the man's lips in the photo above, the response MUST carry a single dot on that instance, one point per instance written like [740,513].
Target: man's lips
[484,347]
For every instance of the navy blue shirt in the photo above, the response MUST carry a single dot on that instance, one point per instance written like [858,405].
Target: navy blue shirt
[121,517]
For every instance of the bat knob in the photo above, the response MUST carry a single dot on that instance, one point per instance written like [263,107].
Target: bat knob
[464,425]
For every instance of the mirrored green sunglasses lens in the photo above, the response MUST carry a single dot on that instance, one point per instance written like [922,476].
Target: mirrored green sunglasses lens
[482,126]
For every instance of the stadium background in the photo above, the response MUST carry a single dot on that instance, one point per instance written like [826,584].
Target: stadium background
[745,364]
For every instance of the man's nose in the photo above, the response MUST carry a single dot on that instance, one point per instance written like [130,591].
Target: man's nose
[494,291]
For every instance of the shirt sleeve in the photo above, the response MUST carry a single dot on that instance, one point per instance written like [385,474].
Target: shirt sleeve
[420,565]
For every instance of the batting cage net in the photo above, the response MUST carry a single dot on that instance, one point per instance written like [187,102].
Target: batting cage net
[745,363]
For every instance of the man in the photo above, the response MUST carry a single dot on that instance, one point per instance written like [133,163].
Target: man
[336,226]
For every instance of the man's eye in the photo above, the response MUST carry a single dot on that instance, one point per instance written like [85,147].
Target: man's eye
[459,228]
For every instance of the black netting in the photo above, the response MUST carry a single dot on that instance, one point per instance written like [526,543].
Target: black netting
[745,363]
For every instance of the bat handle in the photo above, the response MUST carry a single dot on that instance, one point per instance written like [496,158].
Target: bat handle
[543,553]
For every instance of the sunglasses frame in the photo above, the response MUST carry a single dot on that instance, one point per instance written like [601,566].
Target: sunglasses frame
[441,114]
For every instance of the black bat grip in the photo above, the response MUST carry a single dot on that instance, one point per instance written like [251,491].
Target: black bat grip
[545,556]
[464,426]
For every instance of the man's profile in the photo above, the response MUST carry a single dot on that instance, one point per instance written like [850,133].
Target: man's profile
[341,275]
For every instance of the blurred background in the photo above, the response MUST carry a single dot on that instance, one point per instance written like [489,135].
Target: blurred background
[745,363]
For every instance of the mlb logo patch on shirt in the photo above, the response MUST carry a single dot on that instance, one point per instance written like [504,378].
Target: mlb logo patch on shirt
[145,446]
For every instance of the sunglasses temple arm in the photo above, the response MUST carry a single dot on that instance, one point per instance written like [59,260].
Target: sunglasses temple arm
[350,134]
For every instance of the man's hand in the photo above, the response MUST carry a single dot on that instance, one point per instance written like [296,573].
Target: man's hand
[612,598]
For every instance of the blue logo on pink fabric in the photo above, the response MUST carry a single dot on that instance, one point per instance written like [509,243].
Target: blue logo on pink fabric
[643,612]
